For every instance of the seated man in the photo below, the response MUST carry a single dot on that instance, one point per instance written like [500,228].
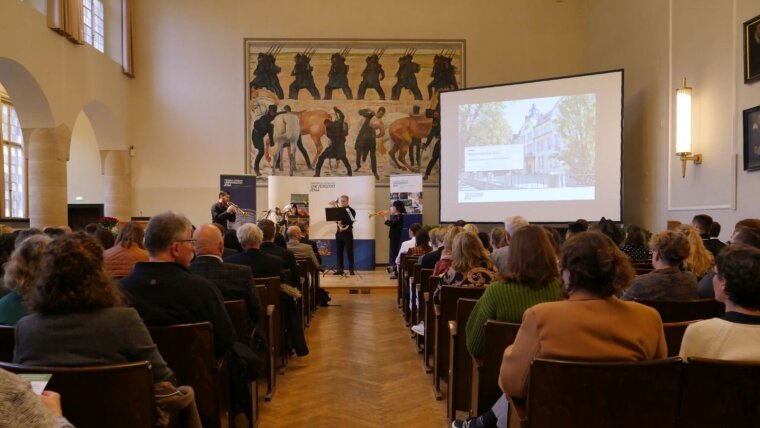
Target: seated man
[235,282]
[305,240]
[499,255]
[743,234]
[300,250]
[666,281]
[262,265]
[286,257]
[164,292]
[703,223]
[735,335]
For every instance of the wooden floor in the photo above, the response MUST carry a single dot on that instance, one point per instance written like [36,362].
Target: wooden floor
[363,371]
[376,280]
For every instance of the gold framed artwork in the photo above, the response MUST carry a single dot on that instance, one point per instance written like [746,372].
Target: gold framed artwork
[752,50]
[338,107]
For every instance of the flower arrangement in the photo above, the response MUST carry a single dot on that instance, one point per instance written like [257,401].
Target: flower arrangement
[107,222]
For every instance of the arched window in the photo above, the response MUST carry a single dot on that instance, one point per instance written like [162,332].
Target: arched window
[93,24]
[14,163]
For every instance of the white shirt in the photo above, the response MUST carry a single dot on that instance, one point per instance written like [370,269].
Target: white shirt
[405,246]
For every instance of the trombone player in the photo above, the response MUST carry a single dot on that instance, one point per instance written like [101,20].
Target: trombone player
[223,211]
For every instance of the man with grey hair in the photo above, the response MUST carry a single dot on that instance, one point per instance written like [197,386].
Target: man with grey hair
[164,292]
[300,250]
[500,255]
[261,264]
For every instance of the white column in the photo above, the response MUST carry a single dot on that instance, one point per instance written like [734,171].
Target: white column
[47,152]
[118,184]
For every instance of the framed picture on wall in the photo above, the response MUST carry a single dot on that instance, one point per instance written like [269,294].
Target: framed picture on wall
[752,139]
[752,50]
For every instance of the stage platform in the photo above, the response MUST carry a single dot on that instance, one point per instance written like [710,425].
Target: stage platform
[375,281]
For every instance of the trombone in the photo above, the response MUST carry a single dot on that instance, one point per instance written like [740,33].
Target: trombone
[378,213]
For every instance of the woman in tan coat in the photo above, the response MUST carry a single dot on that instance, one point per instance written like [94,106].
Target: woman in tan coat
[592,324]
[127,251]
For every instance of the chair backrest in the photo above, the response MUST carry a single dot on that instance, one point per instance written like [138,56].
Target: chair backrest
[690,310]
[238,315]
[274,298]
[674,335]
[114,395]
[720,394]
[7,342]
[425,275]
[189,351]
[498,336]
[573,394]
[450,295]
[460,363]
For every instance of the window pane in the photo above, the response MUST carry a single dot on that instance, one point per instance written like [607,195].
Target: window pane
[98,7]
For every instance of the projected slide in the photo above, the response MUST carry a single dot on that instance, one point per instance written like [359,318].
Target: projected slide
[549,150]
[539,149]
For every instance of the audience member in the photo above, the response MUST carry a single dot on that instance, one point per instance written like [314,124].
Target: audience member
[231,241]
[164,292]
[429,260]
[496,238]
[485,239]
[555,239]
[471,265]
[742,235]
[666,281]
[530,277]
[7,244]
[575,228]
[735,335]
[262,265]
[80,319]
[128,250]
[700,260]
[469,227]
[300,249]
[91,228]
[511,225]
[21,274]
[421,244]
[634,245]
[286,257]
[703,223]
[409,244]
[305,240]
[235,282]
[611,229]
[21,407]
[53,232]
[23,234]
[443,264]
[228,251]
[715,230]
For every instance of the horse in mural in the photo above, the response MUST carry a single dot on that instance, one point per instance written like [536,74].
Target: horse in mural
[286,134]
[402,132]
[313,125]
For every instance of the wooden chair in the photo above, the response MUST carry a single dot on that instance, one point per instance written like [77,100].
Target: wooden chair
[572,394]
[460,364]
[413,294]
[7,342]
[189,350]
[720,394]
[400,282]
[238,315]
[408,271]
[274,297]
[306,269]
[642,267]
[266,326]
[485,371]
[674,335]
[421,287]
[444,313]
[675,311]
[114,395]
[429,340]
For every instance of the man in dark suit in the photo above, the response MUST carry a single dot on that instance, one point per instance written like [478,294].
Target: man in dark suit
[164,292]
[261,264]
[305,240]
[223,211]
[286,257]
[703,223]
[235,282]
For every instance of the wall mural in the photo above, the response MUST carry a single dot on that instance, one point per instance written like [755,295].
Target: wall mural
[347,107]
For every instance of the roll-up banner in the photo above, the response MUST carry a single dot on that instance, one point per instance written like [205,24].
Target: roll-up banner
[242,190]
[408,189]
[317,193]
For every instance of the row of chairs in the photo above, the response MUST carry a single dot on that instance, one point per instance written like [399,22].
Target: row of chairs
[189,351]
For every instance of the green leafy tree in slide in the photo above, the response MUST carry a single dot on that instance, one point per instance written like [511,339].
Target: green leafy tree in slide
[483,125]
[576,125]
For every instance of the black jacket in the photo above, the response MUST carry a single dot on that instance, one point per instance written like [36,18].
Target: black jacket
[235,282]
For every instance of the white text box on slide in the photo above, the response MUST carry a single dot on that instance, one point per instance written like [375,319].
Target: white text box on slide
[504,157]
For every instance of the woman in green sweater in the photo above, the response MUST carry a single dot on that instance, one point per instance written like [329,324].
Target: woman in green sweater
[530,276]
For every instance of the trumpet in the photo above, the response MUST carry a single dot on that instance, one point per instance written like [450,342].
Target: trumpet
[378,213]
[239,211]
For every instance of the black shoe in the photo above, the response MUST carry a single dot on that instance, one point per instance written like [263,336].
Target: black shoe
[351,272]
[338,272]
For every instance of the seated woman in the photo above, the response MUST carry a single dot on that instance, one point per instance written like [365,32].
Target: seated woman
[80,319]
[471,265]
[666,281]
[127,250]
[736,335]
[421,244]
[21,274]
[531,276]
[592,324]
[699,260]
[634,245]
[444,263]
[21,407]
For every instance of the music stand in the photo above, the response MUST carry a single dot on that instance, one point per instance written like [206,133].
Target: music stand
[335,214]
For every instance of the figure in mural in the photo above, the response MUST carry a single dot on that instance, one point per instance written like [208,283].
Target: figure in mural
[415,148]
[338,75]
[372,75]
[443,74]
[406,76]
[336,132]
[286,133]
[302,70]
[262,127]
[366,143]
[435,133]
[299,144]
[265,74]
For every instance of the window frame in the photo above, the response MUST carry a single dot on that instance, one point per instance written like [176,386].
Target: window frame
[89,11]
[24,179]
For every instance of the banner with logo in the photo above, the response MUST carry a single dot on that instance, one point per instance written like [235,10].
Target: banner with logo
[320,192]
[242,190]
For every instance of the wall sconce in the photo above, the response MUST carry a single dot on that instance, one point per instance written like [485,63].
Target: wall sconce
[683,128]
[132,151]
